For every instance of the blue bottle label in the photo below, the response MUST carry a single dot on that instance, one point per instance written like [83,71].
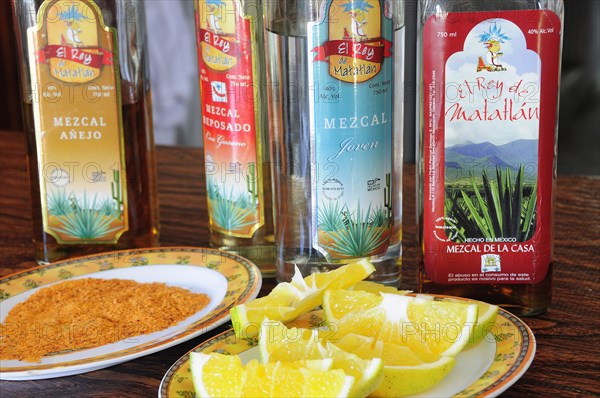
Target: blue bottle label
[351,102]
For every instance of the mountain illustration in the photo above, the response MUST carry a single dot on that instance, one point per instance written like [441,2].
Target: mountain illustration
[463,144]
[474,157]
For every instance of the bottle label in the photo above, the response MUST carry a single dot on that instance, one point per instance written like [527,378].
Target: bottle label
[77,112]
[231,118]
[490,98]
[351,98]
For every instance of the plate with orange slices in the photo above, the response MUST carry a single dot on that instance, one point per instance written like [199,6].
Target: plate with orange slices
[488,368]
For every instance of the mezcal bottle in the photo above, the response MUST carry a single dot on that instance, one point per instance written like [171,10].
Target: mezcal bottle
[87,114]
[333,70]
[489,77]
[238,179]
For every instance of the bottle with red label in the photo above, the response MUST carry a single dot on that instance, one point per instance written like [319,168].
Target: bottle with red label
[231,74]
[489,75]
[87,115]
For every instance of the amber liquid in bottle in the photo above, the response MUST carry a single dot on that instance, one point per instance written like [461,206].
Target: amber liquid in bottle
[139,154]
[229,234]
[518,298]
[260,247]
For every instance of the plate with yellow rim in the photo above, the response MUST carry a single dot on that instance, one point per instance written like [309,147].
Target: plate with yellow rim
[486,369]
[225,278]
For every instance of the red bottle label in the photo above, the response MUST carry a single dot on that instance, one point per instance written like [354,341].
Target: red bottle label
[230,116]
[490,87]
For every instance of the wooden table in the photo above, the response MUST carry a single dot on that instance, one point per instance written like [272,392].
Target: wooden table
[567,363]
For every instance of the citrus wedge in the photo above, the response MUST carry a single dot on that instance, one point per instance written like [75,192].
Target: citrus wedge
[424,325]
[404,372]
[287,301]
[374,287]
[205,369]
[218,375]
[486,319]
[279,343]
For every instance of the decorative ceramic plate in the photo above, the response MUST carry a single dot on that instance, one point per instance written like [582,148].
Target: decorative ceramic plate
[227,280]
[486,369]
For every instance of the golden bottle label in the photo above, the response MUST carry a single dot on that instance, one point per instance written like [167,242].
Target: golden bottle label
[78,127]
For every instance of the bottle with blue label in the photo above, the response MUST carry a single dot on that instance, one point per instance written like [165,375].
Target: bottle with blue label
[335,98]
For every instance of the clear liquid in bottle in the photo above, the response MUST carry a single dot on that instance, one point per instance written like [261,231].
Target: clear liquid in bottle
[334,206]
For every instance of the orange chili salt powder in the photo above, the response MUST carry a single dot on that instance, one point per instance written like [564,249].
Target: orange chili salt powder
[86,313]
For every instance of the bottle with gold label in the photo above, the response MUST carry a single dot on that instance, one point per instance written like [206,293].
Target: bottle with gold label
[231,74]
[87,111]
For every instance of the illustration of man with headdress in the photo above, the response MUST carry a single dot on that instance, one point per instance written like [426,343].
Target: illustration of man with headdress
[71,17]
[213,18]
[491,41]
[357,10]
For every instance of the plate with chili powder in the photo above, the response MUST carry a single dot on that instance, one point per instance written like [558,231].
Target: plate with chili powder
[128,290]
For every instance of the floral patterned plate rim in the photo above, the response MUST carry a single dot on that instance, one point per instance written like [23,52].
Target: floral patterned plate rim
[226,278]
[486,369]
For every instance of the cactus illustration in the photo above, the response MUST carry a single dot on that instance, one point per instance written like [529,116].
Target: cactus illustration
[117,193]
[73,202]
[387,195]
[252,183]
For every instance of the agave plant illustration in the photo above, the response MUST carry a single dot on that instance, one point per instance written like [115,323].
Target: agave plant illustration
[107,207]
[358,238]
[330,216]
[85,221]
[380,217]
[58,202]
[497,209]
[244,201]
[212,189]
[228,214]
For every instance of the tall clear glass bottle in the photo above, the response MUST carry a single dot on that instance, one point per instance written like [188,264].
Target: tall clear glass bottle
[333,70]
[489,78]
[238,177]
[87,114]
